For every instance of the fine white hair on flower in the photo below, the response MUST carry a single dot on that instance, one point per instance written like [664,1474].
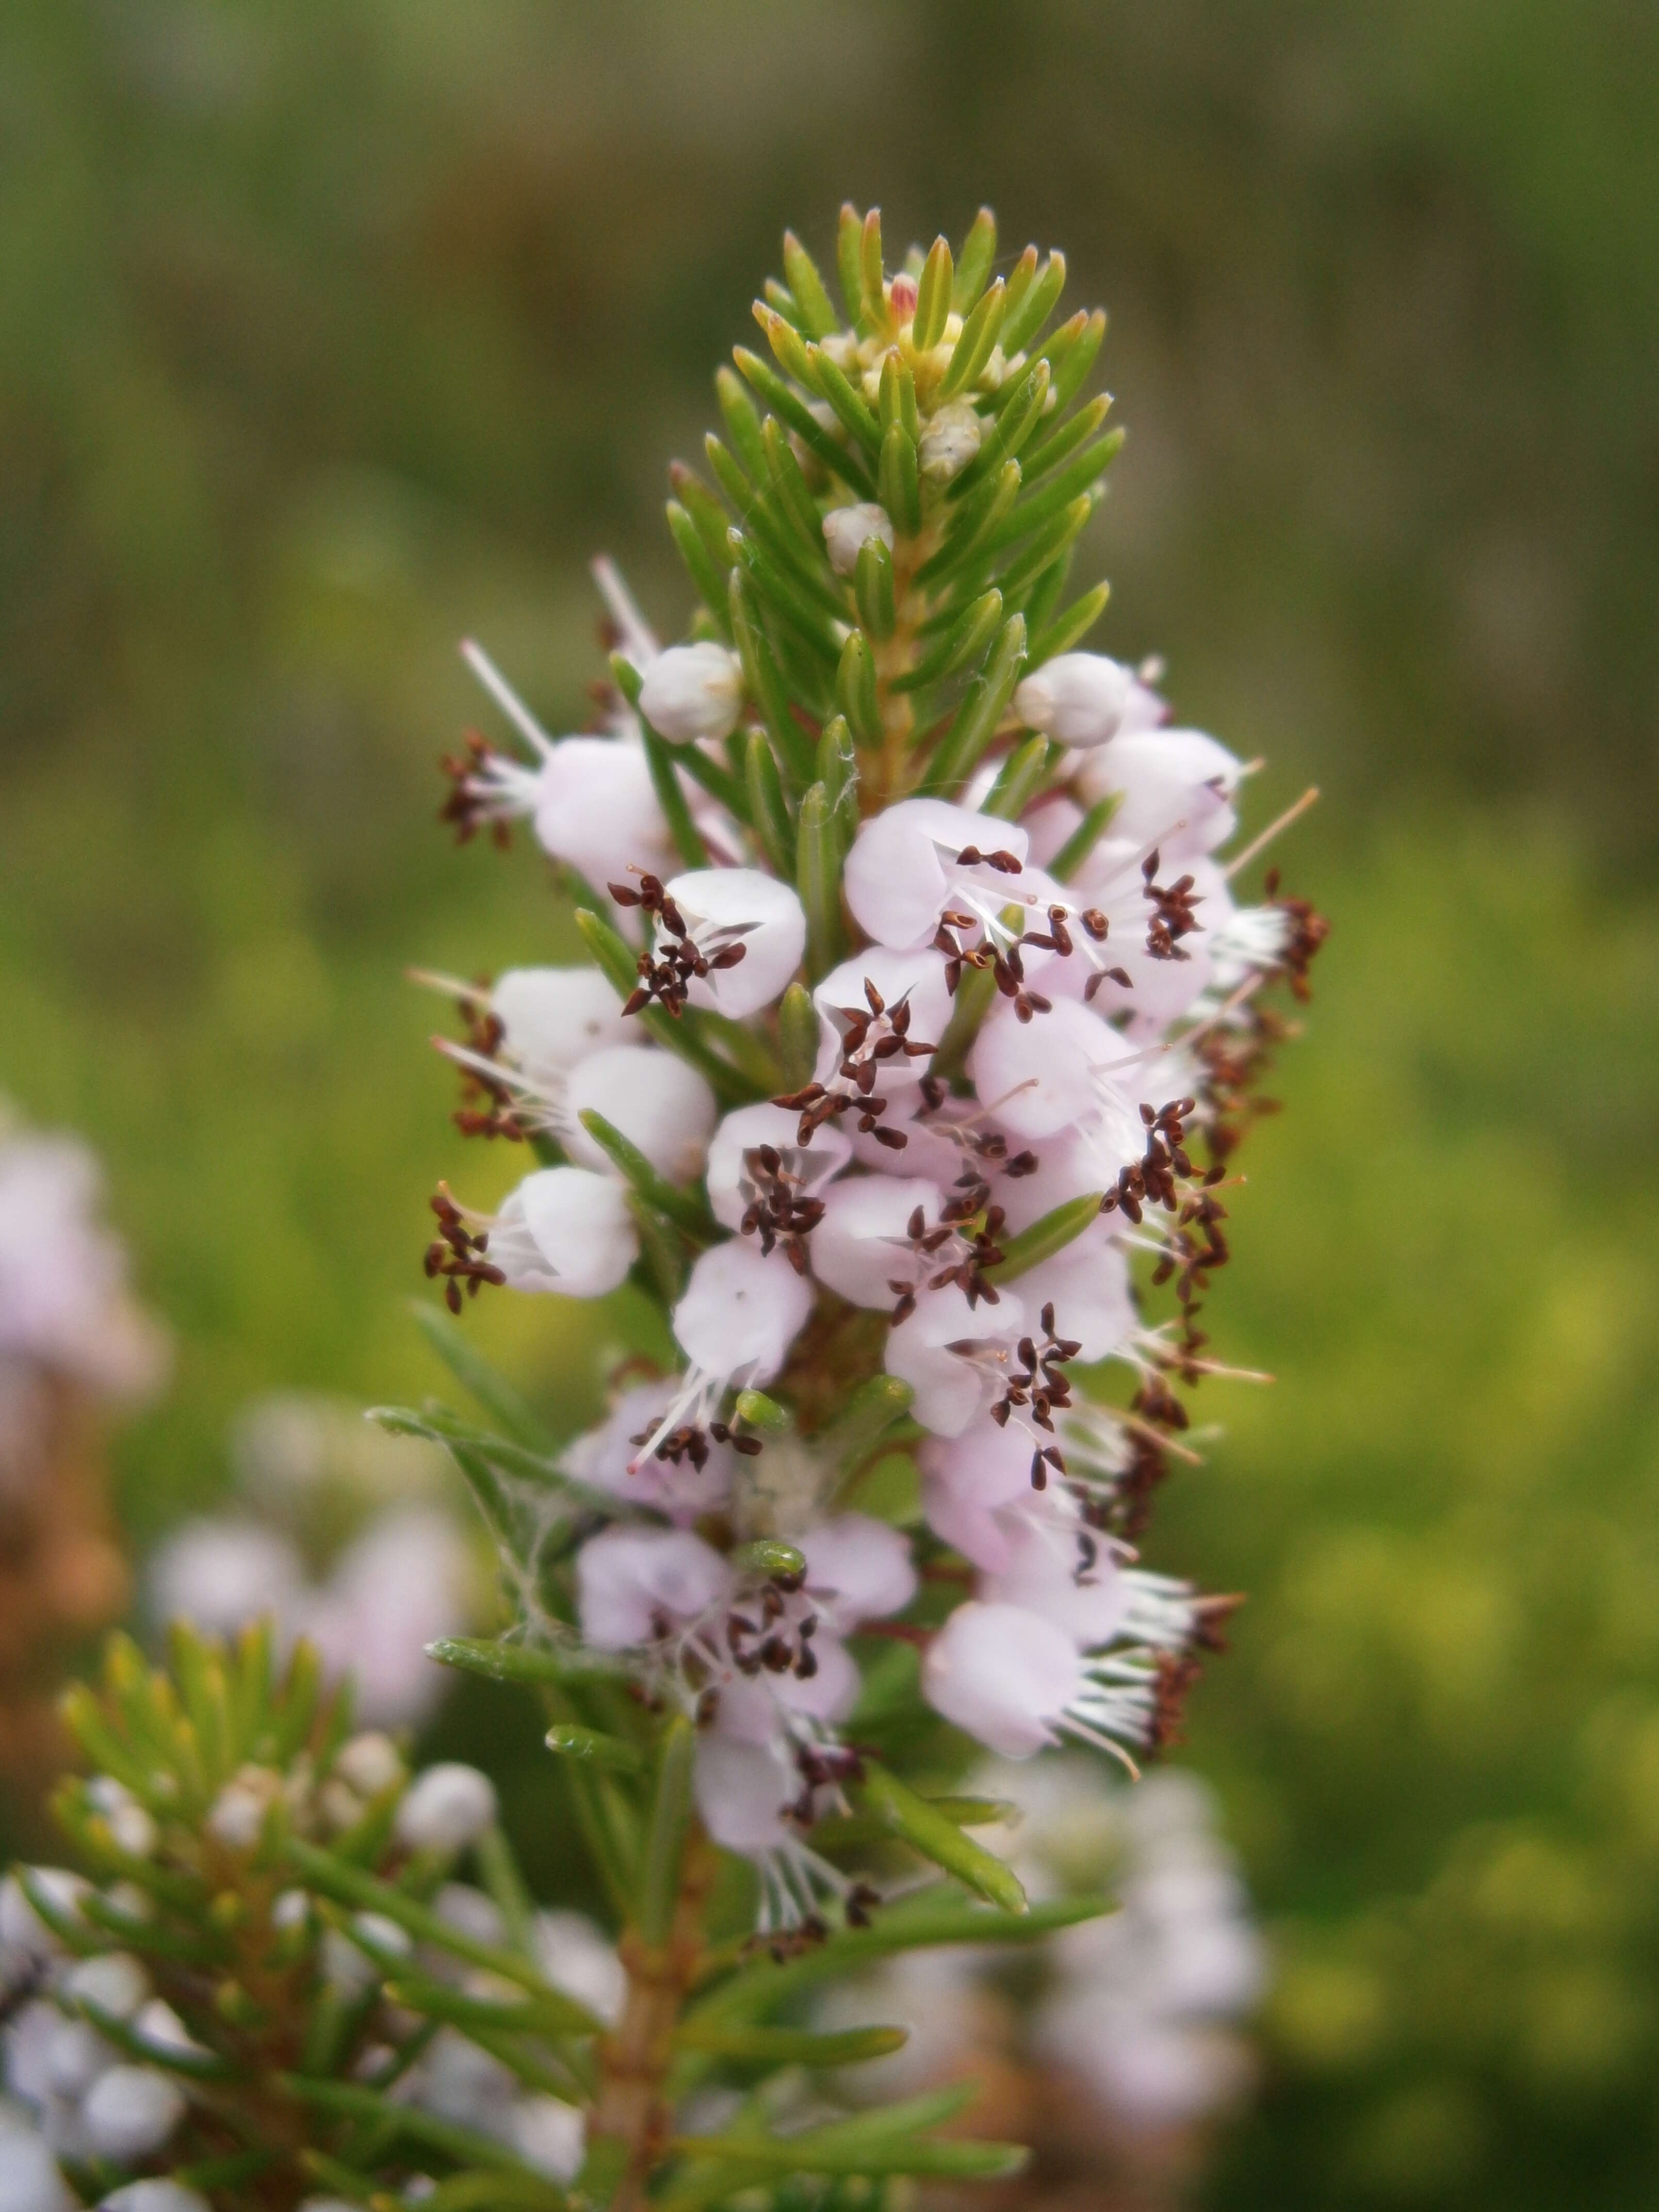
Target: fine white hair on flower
[637,1586]
[565,1229]
[691,692]
[658,1102]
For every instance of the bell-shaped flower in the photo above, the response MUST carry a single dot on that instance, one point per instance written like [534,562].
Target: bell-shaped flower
[592,804]
[693,692]
[658,1101]
[738,1316]
[954,1356]
[848,529]
[1175,790]
[1004,1675]
[881,1017]
[858,1569]
[1087,1285]
[742,1789]
[1017,1681]
[740,938]
[1057,1568]
[976,1488]
[871,1245]
[638,1586]
[1068,1070]
[1077,699]
[922,860]
[762,1179]
[565,1229]
[551,1017]
[1155,958]
[684,1481]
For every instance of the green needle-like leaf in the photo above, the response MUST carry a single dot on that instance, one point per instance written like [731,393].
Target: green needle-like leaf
[979,251]
[793,2046]
[959,752]
[769,812]
[972,347]
[818,880]
[1022,776]
[1053,1233]
[934,296]
[707,572]
[964,645]
[797,1033]
[570,1741]
[666,1832]
[849,259]
[786,403]
[682,1207]
[898,481]
[872,294]
[1070,628]
[873,584]
[1026,316]
[856,690]
[850,405]
[818,314]
[742,423]
[929,1831]
[536,1664]
[1082,840]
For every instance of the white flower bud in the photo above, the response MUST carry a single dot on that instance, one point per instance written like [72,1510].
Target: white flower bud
[290,1908]
[549,2136]
[29,2179]
[565,1229]
[161,2031]
[847,529]
[1078,699]
[654,1098]
[447,1807]
[73,2056]
[370,1762]
[113,1981]
[154,2196]
[239,1811]
[950,440]
[578,1959]
[21,1927]
[131,1826]
[693,692]
[130,2111]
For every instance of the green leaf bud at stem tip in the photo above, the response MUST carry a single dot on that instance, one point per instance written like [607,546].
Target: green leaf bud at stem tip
[849,259]
[979,251]
[817,310]
[934,296]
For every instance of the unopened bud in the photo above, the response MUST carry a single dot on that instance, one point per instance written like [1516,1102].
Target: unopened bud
[1078,699]
[154,2196]
[693,692]
[370,1762]
[901,292]
[847,529]
[449,1807]
[130,2112]
[950,440]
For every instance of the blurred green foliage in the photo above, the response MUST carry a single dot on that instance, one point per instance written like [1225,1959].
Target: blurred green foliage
[329,333]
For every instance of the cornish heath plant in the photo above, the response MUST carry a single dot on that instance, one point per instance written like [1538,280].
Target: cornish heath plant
[901,1092]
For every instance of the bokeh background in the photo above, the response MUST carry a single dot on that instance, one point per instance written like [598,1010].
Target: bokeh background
[330,332]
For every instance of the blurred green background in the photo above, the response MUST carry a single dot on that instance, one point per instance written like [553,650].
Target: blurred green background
[331,332]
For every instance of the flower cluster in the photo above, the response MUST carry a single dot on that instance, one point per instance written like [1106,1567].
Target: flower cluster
[274,1966]
[921,1031]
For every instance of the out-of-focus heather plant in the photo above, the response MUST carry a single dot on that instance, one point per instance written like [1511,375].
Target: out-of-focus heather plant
[339,1533]
[894,1117]
[72,1342]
